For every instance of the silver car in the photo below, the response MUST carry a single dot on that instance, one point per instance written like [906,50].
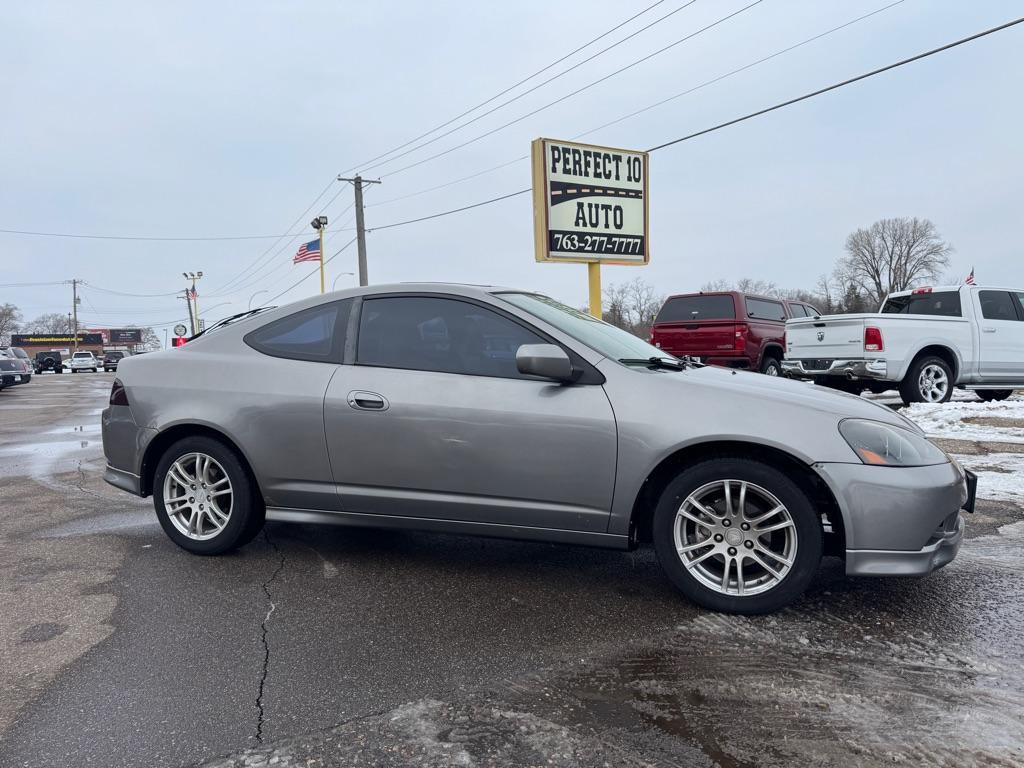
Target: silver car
[497,412]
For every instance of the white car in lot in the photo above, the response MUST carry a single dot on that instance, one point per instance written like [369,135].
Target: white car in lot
[84,361]
[924,342]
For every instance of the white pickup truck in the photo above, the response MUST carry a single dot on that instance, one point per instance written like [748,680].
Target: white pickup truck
[924,342]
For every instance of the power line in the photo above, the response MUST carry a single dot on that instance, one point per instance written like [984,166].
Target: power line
[511,87]
[577,91]
[648,107]
[834,86]
[290,228]
[528,91]
[446,213]
[131,295]
[743,118]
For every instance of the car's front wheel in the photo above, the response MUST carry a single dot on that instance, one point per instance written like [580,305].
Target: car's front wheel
[737,535]
[205,498]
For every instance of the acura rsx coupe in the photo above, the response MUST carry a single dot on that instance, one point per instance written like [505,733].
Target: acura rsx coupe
[497,412]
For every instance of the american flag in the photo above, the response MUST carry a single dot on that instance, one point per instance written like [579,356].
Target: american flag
[191,294]
[308,252]
[969,280]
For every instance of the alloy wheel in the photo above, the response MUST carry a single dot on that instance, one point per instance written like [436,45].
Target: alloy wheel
[197,496]
[933,383]
[735,537]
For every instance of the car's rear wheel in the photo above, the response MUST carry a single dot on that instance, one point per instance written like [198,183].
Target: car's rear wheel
[771,366]
[929,380]
[205,498]
[991,395]
[737,535]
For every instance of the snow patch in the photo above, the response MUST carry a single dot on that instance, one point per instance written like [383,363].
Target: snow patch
[946,420]
[1000,475]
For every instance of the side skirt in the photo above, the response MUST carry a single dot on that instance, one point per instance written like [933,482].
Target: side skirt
[362,520]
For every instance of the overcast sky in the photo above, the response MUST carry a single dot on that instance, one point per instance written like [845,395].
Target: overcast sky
[194,119]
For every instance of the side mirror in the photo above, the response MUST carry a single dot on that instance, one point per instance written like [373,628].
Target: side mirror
[546,360]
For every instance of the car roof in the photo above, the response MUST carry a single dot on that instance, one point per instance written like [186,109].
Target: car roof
[934,288]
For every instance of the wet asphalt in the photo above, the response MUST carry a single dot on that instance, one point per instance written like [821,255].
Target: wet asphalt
[329,646]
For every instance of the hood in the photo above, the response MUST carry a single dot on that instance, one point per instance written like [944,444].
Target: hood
[789,392]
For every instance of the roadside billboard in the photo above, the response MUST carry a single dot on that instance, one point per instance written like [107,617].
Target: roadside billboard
[56,339]
[590,203]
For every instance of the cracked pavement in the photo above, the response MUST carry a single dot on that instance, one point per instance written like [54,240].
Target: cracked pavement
[331,646]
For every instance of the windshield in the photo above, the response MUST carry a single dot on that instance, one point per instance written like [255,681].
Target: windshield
[598,335]
[83,354]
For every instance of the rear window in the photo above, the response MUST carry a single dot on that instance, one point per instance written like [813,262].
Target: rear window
[762,309]
[941,303]
[680,308]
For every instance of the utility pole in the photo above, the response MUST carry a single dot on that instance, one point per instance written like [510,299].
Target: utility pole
[358,182]
[74,312]
[188,303]
[193,312]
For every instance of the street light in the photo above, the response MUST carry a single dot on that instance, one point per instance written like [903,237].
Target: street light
[334,285]
[254,296]
[319,223]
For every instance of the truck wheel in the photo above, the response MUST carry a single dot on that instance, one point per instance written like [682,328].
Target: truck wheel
[990,395]
[930,380]
[738,536]
[770,366]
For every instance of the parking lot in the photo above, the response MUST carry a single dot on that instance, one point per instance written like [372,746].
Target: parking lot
[335,646]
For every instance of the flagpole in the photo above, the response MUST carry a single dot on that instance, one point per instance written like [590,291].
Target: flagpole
[321,230]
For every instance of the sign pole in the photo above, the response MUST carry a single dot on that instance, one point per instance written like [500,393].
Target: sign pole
[594,281]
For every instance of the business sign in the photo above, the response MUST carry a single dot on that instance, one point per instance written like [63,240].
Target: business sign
[25,339]
[125,335]
[590,203]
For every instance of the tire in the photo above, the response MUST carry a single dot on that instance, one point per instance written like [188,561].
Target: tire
[244,512]
[992,395]
[770,366]
[94,370]
[915,387]
[800,541]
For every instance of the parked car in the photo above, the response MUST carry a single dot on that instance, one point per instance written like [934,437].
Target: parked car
[111,359]
[924,341]
[12,371]
[387,407]
[50,361]
[84,361]
[727,328]
[23,359]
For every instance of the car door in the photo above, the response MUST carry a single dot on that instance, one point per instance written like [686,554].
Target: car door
[433,420]
[1002,336]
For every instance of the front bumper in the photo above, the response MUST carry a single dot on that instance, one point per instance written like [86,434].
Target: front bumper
[805,368]
[899,521]
[882,562]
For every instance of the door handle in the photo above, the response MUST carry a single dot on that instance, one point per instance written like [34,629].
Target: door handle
[988,330]
[367,401]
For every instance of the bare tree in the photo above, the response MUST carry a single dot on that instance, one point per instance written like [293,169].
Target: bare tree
[893,255]
[632,306]
[53,322]
[150,341]
[9,319]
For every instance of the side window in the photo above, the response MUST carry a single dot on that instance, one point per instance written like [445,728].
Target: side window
[316,334]
[763,309]
[1019,299]
[997,305]
[436,334]
[797,310]
[811,311]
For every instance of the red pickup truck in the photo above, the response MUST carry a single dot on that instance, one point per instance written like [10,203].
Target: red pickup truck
[727,328]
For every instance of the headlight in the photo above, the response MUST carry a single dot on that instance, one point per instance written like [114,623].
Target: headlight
[888,446]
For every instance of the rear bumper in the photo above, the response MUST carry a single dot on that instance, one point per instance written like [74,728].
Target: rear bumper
[858,369]
[881,562]
[126,481]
